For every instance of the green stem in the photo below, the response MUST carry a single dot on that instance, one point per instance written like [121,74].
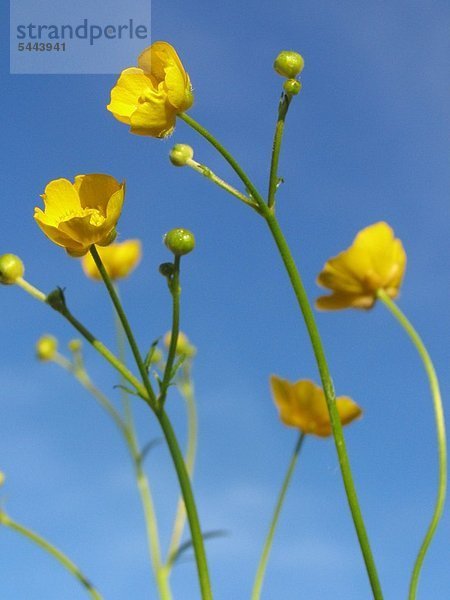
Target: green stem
[330,397]
[101,348]
[30,289]
[229,158]
[259,578]
[83,378]
[441,436]
[126,326]
[175,290]
[316,342]
[160,571]
[53,551]
[206,172]
[105,352]
[278,137]
[187,390]
[128,433]
[122,353]
[189,502]
[170,437]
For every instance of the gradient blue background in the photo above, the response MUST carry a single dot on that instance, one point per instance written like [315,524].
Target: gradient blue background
[366,140]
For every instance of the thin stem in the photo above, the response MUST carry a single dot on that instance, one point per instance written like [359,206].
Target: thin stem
[53,551]
[101,348]
[279,129]
[206,172]
[187,390]
[316,342]
[30,289]
[126,326]
[189,502]
[330,397]
[129,436]
[229,158]
[83,378]
[260,573]
[122,353]
[170,437]
[159,569]
[175,291]
[160,572]
[441,436]
[105,352]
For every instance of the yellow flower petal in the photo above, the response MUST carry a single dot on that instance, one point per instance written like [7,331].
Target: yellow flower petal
[303,405]
[149,97]
[78,215]
[376,260]
[96,190]
[119,260]
[131,85]
[60,199]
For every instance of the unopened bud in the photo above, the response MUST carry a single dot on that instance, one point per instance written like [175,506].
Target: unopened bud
[289,64]
[180,241]
[75,345]
[46,347]
[166,269]
[183,344]
[181,154]
[11,269]
[292,87]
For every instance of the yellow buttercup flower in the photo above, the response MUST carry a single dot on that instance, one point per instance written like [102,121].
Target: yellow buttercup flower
[302,404]
[119,260]
[376,260]
[149,97]
[80,214]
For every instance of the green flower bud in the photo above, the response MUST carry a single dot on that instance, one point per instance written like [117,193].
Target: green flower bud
[156,356]
[166,269]
[75,345]
[180,241]
[181,154]
[289,64]
[57,300]
[183,344]
[292,87]
[11,268]
[46,347]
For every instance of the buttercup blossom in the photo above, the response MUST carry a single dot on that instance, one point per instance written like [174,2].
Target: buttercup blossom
[302,404]
[80,214]
[376,260]
[119,260]
[149,97]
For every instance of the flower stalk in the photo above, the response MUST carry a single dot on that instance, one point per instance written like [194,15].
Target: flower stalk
[164,421]
[64,560]
[316,342]
[441,436]
[262,565]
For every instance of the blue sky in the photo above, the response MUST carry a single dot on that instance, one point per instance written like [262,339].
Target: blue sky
[366,140]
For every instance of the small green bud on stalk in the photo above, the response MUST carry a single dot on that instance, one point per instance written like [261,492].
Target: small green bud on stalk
[180,241]
[75,345]
[166,269]
[292,87]
[46,347]
[289,64]
[11,269]
[57,300]
[181,154]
